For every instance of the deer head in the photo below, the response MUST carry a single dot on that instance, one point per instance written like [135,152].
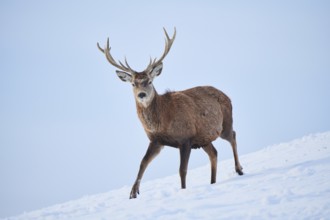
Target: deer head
[143,89]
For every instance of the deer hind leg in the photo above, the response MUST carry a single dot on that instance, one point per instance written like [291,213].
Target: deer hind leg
[185,151]
[231,137]
[213,156]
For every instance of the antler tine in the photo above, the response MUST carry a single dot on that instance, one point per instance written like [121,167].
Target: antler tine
[168,45]
[112,61]
[126,65]
[150,62]
[98,45]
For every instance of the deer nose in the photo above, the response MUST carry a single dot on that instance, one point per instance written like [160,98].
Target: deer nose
[142,95]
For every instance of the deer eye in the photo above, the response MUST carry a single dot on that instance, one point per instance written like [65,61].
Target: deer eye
[149,82]
[133,84]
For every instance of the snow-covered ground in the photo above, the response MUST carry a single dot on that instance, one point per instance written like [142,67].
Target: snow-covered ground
[284,181]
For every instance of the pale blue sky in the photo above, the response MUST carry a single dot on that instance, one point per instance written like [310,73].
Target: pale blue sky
[68,125]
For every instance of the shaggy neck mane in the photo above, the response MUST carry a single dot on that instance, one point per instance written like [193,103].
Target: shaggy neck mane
[149,115]
[152,117]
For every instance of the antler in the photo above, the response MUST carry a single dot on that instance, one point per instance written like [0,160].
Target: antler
[152,64]
[168,45]
[112,61]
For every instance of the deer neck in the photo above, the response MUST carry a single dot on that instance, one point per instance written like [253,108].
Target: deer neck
[149,114]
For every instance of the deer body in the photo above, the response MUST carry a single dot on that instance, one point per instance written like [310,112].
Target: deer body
[194,115]
[187,119]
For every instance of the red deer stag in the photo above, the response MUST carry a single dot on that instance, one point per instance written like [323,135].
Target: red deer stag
[188,119]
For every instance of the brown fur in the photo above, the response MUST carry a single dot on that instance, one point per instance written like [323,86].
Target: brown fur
[195,116]
[187,119]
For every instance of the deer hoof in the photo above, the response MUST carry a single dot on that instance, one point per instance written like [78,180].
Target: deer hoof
[239,170]
[135,191]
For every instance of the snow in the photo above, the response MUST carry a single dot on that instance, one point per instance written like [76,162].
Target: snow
[285,181]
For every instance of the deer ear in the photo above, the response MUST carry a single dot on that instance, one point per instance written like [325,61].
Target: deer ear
[157,70]
[126,77]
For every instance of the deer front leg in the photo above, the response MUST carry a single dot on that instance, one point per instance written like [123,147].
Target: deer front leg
[184,159]
[152,152]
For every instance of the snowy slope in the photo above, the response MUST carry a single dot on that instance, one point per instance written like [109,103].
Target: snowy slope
[284,181]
